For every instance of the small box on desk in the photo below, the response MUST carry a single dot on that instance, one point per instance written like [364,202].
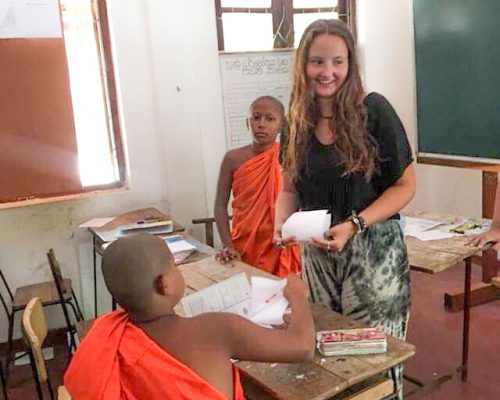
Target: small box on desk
[343,342]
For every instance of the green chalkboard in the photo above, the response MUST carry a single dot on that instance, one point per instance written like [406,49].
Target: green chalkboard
[457,51]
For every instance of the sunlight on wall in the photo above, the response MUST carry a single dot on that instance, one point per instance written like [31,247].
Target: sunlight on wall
[95,155]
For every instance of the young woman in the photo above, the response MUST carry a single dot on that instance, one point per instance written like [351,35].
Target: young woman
[347,152]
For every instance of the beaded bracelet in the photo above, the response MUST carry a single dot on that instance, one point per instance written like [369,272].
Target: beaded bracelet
[359,221]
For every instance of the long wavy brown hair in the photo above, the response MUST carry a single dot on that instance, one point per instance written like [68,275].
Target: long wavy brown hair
[355,146]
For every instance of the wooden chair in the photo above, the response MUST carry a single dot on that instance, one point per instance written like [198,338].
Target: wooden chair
[48,295]
[209,228]
[59,283]
[34,329]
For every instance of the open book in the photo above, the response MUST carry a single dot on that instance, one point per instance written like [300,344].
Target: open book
[262,303]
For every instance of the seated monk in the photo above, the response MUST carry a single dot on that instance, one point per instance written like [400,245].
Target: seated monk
[253,174]
[146,351]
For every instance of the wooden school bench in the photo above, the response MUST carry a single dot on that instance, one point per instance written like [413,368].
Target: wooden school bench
[105,234]
[320,378]
[434,256]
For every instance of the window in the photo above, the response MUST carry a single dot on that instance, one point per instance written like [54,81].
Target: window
[64,137]
[247,25]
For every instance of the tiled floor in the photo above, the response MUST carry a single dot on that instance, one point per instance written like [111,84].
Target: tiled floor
[436,333]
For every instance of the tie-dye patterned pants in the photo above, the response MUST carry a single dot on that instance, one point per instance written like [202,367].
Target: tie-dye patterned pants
[368,281]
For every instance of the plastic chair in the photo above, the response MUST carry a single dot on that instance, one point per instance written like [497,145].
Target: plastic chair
[34,329]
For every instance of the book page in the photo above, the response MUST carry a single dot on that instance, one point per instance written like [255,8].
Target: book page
[231,295]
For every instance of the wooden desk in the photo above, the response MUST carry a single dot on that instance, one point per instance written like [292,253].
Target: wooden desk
[317,379]
[103,234]
[437,255]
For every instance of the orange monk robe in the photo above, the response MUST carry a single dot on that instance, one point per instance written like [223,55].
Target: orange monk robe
[118,361]
[256,185]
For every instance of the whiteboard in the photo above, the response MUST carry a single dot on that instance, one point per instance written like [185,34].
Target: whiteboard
[246,76]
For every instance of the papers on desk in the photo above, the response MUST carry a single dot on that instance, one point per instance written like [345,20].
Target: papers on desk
[262,303]
[179,247]
[267,302]
[425,230]
[304,225]
[96,222]
[154,227]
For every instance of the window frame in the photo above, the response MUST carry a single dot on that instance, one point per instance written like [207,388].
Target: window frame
[116,146]
[345,8]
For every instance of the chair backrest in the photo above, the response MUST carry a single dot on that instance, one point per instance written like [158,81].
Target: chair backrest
[56,270]
[58,280]
[2,298]
[34,331]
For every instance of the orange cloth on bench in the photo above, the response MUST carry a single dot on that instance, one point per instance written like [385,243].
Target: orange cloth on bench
[256,186]
[117,360]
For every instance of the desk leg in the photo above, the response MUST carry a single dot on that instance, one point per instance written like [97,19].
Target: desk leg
[465,340]
[95,279]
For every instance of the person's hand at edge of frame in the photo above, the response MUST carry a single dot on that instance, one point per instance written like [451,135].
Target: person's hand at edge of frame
[227,254]
[490,238]
[281,242]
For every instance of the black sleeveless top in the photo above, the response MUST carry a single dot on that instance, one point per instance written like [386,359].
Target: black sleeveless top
[320,183]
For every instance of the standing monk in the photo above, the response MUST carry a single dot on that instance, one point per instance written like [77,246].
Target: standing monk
[253,174]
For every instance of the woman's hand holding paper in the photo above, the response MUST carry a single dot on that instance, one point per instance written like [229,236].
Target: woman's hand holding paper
[338,234]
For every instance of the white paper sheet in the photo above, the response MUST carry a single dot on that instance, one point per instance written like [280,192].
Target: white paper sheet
[30,19]
[267,303]
[96,222]
[177,243]
[305,225]
[263,303]
[425,230]
[231,295]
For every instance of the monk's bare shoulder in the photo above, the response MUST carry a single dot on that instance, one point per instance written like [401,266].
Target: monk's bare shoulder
[236,157]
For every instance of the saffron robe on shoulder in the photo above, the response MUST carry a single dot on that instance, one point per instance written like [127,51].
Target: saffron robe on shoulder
[118,361]
[256,186]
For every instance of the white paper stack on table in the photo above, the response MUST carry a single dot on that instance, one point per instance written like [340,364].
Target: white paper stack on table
[344,342]
[424,229]
[304,225]
[262,303]
[179,247]
[154,227]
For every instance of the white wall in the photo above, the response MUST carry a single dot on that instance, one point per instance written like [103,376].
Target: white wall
[27,233]
[168,75]
[385,30]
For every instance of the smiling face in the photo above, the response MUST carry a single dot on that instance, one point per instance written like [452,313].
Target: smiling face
[327,64]
[265,122]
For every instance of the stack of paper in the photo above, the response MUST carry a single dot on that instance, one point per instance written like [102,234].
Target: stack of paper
[156,227]
[344,342]
[179,247]
[304,225]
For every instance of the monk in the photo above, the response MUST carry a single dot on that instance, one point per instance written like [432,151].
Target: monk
[147,351]
[253,174]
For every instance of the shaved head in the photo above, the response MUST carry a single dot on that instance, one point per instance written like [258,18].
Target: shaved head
[272,100]
[131,265]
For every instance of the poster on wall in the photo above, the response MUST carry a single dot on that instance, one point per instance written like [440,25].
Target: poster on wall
[30,19]
[246,76]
